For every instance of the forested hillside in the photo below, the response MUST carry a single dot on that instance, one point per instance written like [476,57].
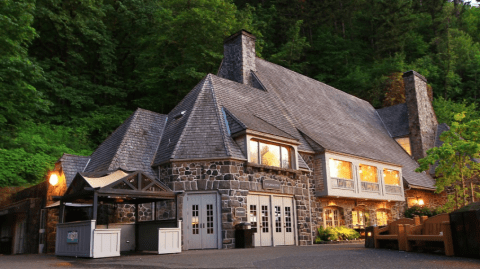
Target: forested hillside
[71,71]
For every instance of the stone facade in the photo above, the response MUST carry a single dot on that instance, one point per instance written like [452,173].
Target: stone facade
[430,198]
[235,180]
[421,117]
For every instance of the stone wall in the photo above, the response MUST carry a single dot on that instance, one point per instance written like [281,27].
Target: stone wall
[234,180]
[430,199]
[395,210]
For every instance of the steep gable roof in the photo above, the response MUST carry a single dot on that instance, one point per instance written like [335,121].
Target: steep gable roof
[337,121]
[132,145]
[395,119]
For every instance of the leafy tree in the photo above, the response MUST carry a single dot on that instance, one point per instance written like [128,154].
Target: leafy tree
[19,99]
[445,110]
[456,160]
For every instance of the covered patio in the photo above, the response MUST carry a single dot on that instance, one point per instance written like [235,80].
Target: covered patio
[95,233]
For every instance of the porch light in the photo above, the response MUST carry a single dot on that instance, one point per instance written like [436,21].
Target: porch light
[369,234]
[420,202]
[53,179]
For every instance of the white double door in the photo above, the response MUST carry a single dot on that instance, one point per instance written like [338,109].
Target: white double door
[202,221]
[272,218]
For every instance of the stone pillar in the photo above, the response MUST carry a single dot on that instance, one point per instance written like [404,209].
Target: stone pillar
[421,117]
[239,58]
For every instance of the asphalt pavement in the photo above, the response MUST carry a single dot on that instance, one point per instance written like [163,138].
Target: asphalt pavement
[317,256]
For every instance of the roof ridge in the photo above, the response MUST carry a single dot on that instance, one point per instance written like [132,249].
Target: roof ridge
[185,127]
[219,118]
[124,138]
[149,111]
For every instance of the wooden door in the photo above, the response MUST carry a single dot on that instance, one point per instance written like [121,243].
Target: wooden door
[202,221]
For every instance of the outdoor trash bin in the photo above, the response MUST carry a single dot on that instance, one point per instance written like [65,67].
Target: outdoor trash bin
[465,227]
[243,236]
[369,237]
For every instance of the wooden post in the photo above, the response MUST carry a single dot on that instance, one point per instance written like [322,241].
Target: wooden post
[95,206]
[61,212]
[401,237]
[137,237]
[407,244]
[416,220]
[447,238]
[375,233]
[423,219]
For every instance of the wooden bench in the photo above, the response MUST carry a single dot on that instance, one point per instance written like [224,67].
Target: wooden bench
[436,228]
[394,231]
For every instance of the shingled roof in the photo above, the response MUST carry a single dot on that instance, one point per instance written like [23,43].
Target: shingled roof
[395,119]
[72,164]
[335,120]
[132,145]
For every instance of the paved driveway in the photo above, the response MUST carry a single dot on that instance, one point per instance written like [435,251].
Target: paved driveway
[317,256]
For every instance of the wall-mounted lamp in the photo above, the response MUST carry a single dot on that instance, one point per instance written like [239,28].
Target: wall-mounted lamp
[53,179]
[420,202]
[369,234]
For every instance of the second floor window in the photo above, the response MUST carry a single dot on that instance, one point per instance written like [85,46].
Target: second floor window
[270,154]
[368,173]
[391,177]
[340,169]
[405,143]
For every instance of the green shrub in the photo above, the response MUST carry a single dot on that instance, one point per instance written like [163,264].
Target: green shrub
[337,233]
[422,211]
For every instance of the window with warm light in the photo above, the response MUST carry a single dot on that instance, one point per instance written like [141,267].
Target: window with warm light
[340,169]
[405,143]
[368,173]
[331,217]
[270,154]
[382,218]
[391,177]
[358,217]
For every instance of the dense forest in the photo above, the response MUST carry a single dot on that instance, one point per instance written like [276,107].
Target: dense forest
[71,71]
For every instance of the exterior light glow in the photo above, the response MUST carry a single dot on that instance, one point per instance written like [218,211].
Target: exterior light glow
[53,179]
[420,202]
[369,234]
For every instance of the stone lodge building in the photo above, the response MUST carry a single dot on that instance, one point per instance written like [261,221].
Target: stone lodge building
[262,144]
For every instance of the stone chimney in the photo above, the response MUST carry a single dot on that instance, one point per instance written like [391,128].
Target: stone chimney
[422,121]
[239,58]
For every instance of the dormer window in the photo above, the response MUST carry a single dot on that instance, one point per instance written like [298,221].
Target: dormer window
[270,154]
[391,177]
[405,143]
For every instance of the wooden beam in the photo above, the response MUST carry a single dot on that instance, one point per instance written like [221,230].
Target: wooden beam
[95,206]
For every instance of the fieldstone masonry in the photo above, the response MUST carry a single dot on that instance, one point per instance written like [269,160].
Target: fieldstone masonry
[421,117]
[235,180]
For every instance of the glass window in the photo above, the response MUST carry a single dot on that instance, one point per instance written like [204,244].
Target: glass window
[382,218]
[368,173]
[405,143]
[253,151]
[358,218]
[269,154]
[340,169]
[391,177]
[331,217]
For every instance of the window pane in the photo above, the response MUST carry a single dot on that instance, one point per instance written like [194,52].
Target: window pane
[270,154]
[391,177]
[340,169]
[254,151]
[381,218]
[405,143]
[285,157]
[368,173]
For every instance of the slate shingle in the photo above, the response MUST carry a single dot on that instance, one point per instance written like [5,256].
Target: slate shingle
[72,164]
[395,119]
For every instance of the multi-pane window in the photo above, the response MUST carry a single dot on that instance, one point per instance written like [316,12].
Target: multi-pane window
[265,218]
[405,143]
[382,218]
[368,173]
[269,154]
[253,217]
[340,169]
[288,219]
[278,219]
[358,218]
[391,177]
[209,218]
[331,217]
[195,220]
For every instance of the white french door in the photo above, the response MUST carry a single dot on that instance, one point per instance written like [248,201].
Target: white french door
[202,220]
[271,218]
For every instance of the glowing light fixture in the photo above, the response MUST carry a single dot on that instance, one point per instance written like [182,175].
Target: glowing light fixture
[420,202]
[369,234]
[53,179]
